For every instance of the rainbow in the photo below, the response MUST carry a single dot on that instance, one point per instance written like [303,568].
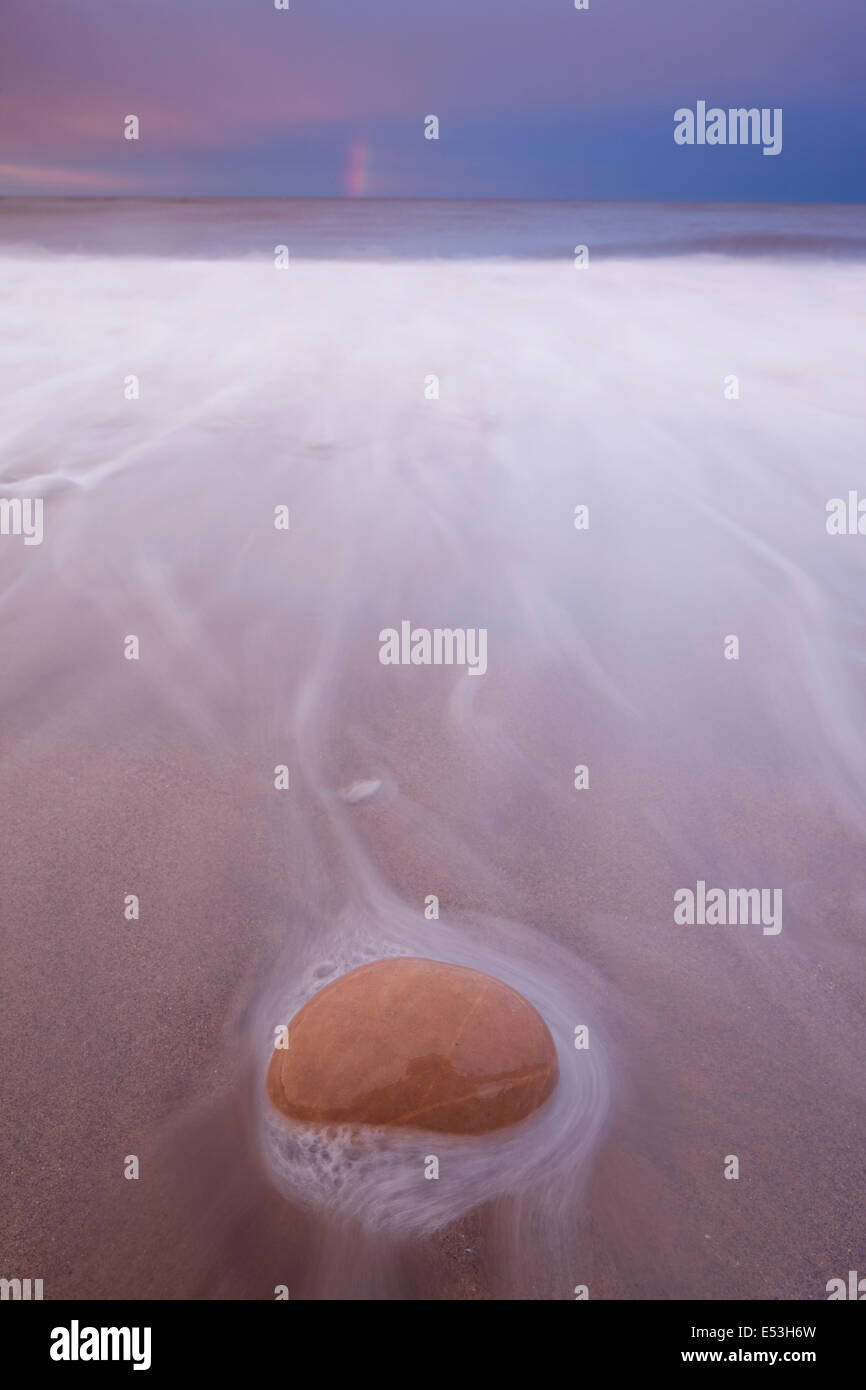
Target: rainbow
[357,177]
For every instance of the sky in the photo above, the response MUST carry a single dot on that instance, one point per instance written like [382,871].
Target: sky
[534,98]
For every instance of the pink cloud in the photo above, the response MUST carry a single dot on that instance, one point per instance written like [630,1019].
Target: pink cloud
[30,178]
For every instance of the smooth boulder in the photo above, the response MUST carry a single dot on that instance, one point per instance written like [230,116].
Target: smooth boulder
[417,1044]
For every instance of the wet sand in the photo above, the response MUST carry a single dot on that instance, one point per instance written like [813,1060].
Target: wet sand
[124,1038]
[259,648]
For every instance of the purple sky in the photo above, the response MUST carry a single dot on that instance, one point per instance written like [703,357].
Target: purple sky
[535,99]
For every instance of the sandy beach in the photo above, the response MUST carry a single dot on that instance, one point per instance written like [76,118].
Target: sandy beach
[258,647]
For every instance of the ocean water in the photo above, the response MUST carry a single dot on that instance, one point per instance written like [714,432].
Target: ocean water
[609,388]
[383,229]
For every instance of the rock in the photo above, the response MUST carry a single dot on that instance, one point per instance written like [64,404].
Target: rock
[417,1044]
[361,791]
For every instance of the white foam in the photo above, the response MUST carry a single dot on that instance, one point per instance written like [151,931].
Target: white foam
[376,1177]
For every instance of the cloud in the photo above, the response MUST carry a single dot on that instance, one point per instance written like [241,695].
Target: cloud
[222,87]
[39,178]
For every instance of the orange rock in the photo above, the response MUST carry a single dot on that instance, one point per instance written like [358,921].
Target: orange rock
[415,1043]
